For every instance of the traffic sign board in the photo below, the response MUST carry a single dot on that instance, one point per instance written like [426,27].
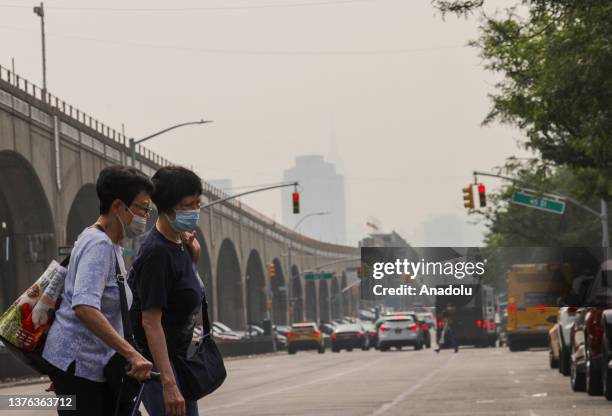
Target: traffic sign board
[318,276]
[527,199]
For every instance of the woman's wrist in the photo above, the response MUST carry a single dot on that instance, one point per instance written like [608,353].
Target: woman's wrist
[167,381]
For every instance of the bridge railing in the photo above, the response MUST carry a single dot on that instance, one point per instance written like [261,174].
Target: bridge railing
[74,113]
[49,101]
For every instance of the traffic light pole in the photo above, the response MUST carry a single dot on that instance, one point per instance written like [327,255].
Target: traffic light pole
[252,191]
[602,215]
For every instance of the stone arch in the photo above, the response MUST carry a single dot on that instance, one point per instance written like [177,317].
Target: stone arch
[204,267]
[84,211]
[27,233]
[336,300]
[297,301]
[324,312]
[229,286]
[311,301]
[279,294]
[256,298]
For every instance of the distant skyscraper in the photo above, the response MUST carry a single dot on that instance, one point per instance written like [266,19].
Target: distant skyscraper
[322,190]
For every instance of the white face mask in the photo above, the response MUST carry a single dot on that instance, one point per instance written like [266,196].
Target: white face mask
[137,227]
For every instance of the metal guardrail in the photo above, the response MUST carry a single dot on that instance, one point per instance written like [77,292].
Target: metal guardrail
[50,102]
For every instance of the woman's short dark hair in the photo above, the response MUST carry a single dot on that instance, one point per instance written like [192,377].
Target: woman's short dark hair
[172,184]
[120,182]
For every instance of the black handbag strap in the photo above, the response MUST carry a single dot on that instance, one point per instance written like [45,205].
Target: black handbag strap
[128,333]
[205,319]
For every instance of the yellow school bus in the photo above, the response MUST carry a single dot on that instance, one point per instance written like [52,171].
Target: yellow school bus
[533,293]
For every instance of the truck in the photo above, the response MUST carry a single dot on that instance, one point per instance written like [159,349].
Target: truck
[534,291]
[472,314]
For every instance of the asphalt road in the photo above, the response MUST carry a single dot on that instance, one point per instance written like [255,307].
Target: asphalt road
[473,382]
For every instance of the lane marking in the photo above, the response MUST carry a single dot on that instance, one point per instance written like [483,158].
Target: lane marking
[540,395]
[292,387]
[386,406]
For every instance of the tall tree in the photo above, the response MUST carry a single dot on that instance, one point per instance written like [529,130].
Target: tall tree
[555,62]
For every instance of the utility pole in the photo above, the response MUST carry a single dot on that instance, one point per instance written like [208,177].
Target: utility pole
[40,12]
[290,268]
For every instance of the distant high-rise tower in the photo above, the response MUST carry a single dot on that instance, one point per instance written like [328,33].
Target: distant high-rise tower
[322,190]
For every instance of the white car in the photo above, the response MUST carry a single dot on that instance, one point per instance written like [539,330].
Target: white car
[398,331]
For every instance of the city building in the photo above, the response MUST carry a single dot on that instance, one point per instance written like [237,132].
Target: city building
[321,190]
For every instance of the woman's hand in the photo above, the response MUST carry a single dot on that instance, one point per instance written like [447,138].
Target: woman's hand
[173,400]
[140,367]
[193,245]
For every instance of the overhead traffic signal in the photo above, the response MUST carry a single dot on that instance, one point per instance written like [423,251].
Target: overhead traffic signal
[468,197]
[296,202]
[271,270]
[482,195]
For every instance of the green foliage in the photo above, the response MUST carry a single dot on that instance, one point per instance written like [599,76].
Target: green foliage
[511,225]
[554,59]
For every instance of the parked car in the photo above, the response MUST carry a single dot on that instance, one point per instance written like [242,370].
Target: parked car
[370,331]
[553,347]
[567,315]
[589,370]
[327,329]
[565,321]
[220,328]
[305,336]
[399,331]
[347,337]
[256,330]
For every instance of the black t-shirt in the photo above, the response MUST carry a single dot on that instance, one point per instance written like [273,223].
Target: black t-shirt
[163,276]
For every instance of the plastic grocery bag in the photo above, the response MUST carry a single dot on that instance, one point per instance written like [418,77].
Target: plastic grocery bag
[24,325]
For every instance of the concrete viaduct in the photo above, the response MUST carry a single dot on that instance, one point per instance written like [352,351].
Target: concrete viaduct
[50,156]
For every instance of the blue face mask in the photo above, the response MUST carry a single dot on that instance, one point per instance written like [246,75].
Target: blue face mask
[185,220]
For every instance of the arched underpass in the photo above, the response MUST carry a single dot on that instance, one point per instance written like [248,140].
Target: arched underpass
[256,289]
[279,295]
[336,300]
[205,271]
[27,234]
[297,301]
[311,301]
[324,301]
[84,211]
[229,287]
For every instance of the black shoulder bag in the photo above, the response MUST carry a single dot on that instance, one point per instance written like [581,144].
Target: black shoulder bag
[203,372]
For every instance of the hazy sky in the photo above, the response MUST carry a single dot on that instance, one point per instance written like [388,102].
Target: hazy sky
[385,88]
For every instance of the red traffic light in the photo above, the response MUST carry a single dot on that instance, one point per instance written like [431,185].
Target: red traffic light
[482,196]
[296,202]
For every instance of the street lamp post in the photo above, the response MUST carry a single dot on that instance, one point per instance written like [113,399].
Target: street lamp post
[290,269]
[134,142]
[40,12]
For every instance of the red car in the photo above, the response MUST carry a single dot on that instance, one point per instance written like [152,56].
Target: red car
[591,338]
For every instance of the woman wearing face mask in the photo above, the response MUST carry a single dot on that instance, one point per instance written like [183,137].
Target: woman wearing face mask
[88,330]
[167,292]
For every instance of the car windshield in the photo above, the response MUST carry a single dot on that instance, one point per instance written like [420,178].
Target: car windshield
[347,328]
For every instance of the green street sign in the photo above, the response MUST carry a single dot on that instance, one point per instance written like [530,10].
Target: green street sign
[327,276]
[311,276]
[545,204]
